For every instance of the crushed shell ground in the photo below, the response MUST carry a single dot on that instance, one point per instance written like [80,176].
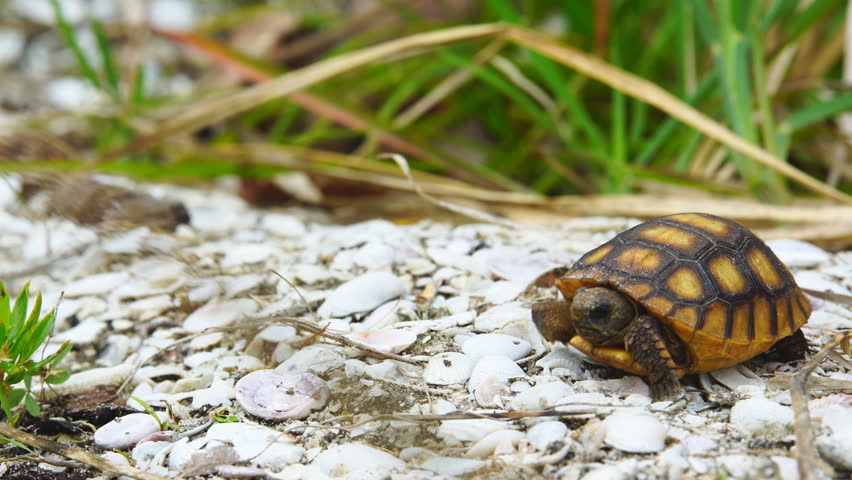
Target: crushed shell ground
[449,307]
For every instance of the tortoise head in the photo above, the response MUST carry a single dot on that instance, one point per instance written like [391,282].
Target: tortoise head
[600,314]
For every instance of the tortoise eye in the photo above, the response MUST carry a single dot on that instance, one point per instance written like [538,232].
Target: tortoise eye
[600,312]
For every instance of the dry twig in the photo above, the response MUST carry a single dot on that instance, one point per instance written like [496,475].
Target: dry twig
[74,453]
[806,455]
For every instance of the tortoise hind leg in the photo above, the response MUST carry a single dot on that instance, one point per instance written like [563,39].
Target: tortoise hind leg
[645,340]
[790,349]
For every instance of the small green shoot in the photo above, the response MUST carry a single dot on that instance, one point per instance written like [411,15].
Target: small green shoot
[164,424]
[20,336]
[223,415]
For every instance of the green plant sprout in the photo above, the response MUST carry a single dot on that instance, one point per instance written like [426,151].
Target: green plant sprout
[223,415]
[20,337]
[164,424]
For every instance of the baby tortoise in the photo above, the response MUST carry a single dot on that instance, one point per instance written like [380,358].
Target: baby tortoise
[686,293]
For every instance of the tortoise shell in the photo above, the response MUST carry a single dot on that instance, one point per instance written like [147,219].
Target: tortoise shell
[710,280]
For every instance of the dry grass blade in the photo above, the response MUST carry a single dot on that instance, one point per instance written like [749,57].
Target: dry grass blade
[815,215]
[806,454]
[448,86]
[74,453]
[654,95]
[220,109]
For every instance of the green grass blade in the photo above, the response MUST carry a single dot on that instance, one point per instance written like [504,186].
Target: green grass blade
[497,82]
[67,33]
[137,97]
[664,133]
[617,165]
[107,63]
[807,18]
[705,21]
[778,9]
[817,112]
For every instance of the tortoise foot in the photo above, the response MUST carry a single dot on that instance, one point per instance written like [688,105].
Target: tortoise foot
[645,340]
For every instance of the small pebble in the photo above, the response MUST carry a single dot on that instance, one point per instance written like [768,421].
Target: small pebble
[125,432]
[634,431]
[762,417]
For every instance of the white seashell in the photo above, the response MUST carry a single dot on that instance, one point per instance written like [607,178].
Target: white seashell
[496,317]
[356,460]
[796,253]
[85,380]
[277,333]
[218,314]
[388,340]
[541,396]
[125,432]
[275,395]
[542,435]
[205,291]
[489,392]
[150,307]
[242,284]
[313,358]
[310,274]
[238,363]
[501,442]
[788,468]
[362,294]
[836,446]
[448,368]
[674,455]
[564,358]
[96,284]
[115,457]
[818,404]
[259,445]
[283,225]
[737,376]
[204,342]
[455,432]
[607,472]
[819,281]
[634,431]
[248,254]
[452,467]
[500,292]
[128,242]
[496,344]
[418,266]
[762,417]
[374,255]
[86,332]
[388,314]
[516,264]
[503,368]
[153,277]
[697,444]
[456,304]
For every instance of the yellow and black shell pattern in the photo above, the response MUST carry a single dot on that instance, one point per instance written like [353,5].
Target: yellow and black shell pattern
[710,280]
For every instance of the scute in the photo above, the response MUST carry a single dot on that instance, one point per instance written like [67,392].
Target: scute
[710,280]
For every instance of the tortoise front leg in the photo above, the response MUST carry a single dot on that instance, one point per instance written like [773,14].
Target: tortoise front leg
[553,320]
[644,340]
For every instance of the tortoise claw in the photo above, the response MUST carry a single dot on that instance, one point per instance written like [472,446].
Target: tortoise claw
[667,388]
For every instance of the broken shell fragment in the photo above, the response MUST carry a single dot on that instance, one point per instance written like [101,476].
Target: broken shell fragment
[362,294]
[127,431]
[276,395]
[386,340]
[448,368]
